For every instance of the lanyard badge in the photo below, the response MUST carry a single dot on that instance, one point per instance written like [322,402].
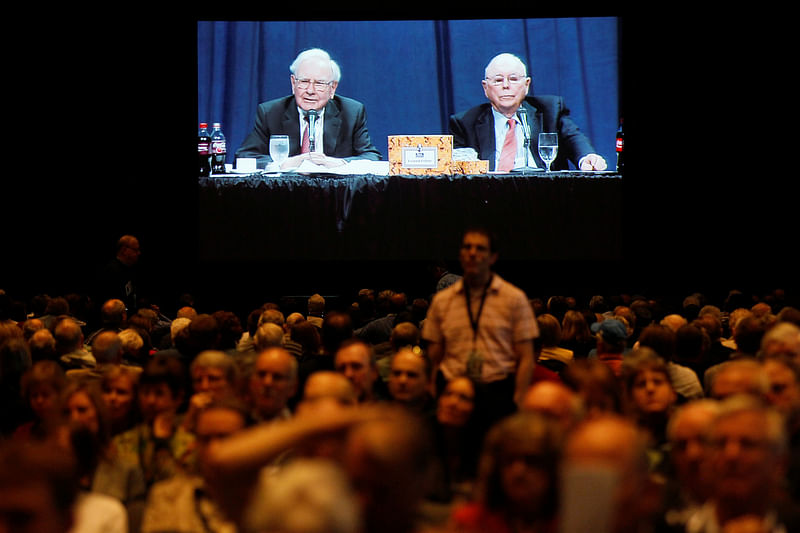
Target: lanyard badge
[475,358]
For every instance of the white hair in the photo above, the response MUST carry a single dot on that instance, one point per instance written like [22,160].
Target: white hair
[267,335]
[316,53]
[782,337]
[505,57]
[306,496]
[775,422]
[177,325]
[215,359]
[131,340]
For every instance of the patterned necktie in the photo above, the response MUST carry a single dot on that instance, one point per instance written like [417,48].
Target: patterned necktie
[304,149]
[509,151]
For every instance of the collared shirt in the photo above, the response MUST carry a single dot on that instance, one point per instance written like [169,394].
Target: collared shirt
[182,504]
[500,129]
[318,127]
[556,353]
[704,520]
[507,318]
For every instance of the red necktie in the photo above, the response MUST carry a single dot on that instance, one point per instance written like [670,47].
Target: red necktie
[509,151]
[304,149]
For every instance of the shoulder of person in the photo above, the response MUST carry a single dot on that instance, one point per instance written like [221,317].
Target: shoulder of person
[344,103]
[473,112]
[540,102]
[281,104]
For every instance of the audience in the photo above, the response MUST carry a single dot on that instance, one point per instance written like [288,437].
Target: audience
[355,359]
[304,426]
[457,441]
[575,333]
[688,485]
[409,381]
[120,388]
[517,482]
[612,337]
[649,400]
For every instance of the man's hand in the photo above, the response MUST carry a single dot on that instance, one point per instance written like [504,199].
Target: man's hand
[325,161]
[593,162]
[316,158]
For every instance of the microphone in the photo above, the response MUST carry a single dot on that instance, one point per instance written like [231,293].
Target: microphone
[312,129]
[523,118]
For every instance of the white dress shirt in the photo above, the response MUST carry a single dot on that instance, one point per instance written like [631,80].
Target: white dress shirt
[318,128]
[500,129]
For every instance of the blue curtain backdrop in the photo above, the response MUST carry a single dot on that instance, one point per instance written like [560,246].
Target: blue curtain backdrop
[411,75]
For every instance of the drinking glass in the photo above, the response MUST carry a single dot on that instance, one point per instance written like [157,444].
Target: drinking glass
[548,147]
[279,149]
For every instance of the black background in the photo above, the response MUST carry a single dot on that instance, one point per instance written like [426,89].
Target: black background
[700,212]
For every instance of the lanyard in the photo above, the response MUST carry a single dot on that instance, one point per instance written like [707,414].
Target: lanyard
[473,321]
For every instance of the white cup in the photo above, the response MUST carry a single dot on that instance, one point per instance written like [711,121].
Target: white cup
[246,164]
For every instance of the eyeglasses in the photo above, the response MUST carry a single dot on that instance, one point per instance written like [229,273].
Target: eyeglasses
[513,79]
[303,83]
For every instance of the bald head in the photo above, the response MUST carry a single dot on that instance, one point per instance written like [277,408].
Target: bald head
[614,445]
[607,440]
[107,348]
[68,336]
[113,311]
[555,400]
[673,322]
[326,384]
[505,60]
[273,381]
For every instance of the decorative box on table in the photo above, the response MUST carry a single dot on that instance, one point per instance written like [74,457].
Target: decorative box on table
[470,167]
[420,155]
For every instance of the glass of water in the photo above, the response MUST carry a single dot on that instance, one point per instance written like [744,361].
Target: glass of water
[548,147]
[279,149]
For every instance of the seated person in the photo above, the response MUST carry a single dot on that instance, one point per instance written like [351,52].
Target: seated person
[160,445]
[186,502]
[484,127]
[341,127]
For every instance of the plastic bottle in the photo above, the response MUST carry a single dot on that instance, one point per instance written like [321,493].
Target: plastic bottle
[204,150]
[620,148]
[219,151]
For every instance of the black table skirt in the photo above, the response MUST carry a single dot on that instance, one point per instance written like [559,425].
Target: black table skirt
[564,216]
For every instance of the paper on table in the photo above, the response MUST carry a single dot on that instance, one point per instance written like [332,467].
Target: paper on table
[356,166]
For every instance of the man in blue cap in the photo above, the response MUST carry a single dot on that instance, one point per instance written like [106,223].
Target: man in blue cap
[612,335]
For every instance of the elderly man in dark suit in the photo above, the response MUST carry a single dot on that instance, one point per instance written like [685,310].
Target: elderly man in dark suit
[340,129]
[484,127]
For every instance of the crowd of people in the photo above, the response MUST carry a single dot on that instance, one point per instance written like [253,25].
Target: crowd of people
[613,414]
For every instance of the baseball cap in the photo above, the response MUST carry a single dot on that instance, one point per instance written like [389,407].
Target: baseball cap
[611,329]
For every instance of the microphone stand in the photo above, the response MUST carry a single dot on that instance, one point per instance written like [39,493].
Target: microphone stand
[312,130]
[526,170]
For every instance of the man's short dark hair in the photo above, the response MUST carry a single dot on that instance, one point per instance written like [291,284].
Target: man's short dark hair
[486,232]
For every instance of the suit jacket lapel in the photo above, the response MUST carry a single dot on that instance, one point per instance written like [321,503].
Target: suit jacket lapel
[331,127]
[291,124]
[485,130]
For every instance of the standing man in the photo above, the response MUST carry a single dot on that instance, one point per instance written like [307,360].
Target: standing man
[340,127]
[119,278]
[486,126]
[483,326]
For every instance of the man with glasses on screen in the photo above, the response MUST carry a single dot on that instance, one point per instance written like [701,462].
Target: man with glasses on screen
[485,127]
[340,125]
